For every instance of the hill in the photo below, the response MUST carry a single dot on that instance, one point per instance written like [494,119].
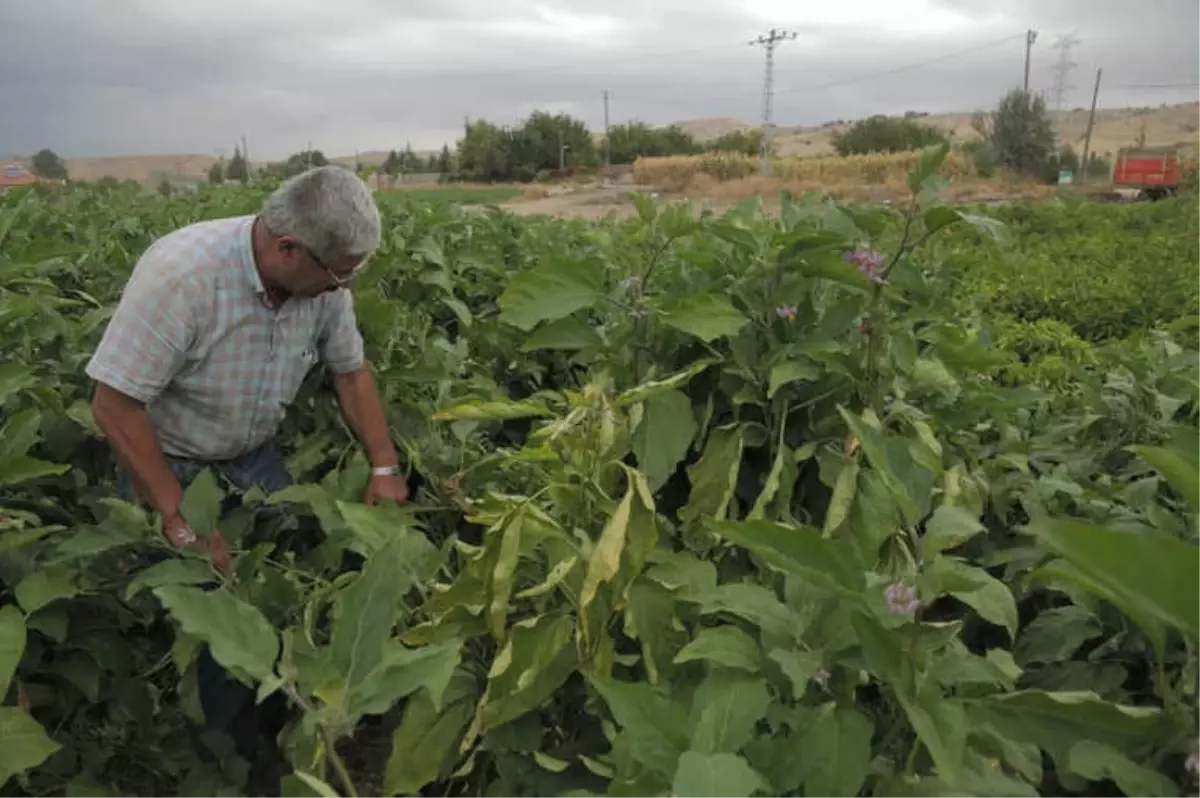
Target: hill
[1116,127]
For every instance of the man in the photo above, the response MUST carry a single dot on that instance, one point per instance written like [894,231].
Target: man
[216,329]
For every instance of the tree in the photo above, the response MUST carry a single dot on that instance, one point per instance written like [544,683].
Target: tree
[886,134]
[216,174]
[164,187]
[747,142]
[1019,132]
[445,161]
[634,140]
[48,165]
[236,169]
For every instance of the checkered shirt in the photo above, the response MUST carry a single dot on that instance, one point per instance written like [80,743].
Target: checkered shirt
[195,339]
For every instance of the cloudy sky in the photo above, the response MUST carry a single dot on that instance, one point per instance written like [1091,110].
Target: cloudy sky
[113,77]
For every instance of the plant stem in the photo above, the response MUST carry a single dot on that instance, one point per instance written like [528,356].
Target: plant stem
[331,753]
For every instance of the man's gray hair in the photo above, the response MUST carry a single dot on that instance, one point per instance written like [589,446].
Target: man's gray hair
[329,209]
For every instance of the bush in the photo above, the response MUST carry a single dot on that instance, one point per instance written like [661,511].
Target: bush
[1019,133]
[886,134]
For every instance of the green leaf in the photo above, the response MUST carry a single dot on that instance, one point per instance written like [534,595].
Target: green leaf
[929,163]
[504,571]
[401,672]
[975,587]
[830,266]
[715,776]
[171,572]
[753,602]
[1056,722]
[45,585]
[316,785]
[368,609]
[724,645]
[657,726]
[201,506]
[843,497]
[1097,762]
[555,288]
[536,659]
[798,550]
[12,644]
[566,334]
[938,217]
[799,667]
[726,708]
[948,528]
[15,377]
[20,433]
[25,743]
[663,437]
[1162,589]
[791,371]
[557,575]
[494,410]
[993,228]
[941,725]
[14,470]
[238,635]
[547,762]
[424,743]
[836,750]
[605,559]
[1056,634]
[706,316]
[650,618]
[1181,474]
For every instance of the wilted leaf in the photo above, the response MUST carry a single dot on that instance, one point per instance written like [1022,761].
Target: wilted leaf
[536,659]
[494,410]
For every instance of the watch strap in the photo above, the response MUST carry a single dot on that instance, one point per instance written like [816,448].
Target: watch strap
[385,471]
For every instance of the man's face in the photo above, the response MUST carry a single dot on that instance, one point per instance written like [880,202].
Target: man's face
[302,274]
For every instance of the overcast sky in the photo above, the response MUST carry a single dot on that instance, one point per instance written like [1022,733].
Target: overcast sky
[115,77]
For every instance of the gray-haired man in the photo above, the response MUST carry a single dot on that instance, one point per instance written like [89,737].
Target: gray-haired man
[215,331]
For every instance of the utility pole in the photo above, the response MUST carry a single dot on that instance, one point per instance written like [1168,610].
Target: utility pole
[1087,138]
[1030,38]
[607,143]
[1063,69]
[773,38]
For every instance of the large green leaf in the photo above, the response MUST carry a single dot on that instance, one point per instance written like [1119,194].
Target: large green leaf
[949,527]
[726,708]
[12,643]
[657,726]
[401,672]
[237,634]
[706,316]
[974,586]
[25,743]
[714,476]
[171,572]
[555,288]
[14,470]
[201,504]
[1161,589]
[1096,762]
[536,659]
[568,334]
[798,550]
[45,585]
[653,388]
[367,611]
[836,750]
[424,743]
[1180,473]
[1056,722]
[663,436]
[715,776]
[724,645]
[798,666]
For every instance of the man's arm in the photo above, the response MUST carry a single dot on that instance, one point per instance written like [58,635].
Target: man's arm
[358,395]
[126,424]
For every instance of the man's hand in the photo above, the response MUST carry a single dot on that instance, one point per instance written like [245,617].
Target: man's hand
[182,536]
[388,488]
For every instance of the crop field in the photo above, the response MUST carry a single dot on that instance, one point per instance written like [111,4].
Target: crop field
[839,500]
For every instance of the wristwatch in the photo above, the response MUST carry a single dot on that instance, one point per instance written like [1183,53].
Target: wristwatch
[385,471]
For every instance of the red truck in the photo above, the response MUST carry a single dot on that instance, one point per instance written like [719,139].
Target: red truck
[1154,171]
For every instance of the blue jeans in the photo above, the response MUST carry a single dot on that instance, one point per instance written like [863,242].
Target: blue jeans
[228,704]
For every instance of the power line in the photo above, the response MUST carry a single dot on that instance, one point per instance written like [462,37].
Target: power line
[769,43]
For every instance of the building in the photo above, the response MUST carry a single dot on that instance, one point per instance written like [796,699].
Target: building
[14,175]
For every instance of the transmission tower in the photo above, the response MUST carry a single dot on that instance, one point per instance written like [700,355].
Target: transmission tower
[773,38]
[1063,69]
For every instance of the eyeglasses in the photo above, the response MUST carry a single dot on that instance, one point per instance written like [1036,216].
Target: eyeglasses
[339,280]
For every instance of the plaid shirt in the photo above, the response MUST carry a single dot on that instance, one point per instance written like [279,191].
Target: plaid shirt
[195,339]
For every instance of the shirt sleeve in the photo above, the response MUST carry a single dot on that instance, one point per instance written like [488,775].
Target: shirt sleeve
[147,338]
[341,345]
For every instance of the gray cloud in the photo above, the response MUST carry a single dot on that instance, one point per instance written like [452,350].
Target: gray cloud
[151,76]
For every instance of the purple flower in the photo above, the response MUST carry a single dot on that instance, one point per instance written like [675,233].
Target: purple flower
[869,263]
[786,312]
[901,598]
[1193,763]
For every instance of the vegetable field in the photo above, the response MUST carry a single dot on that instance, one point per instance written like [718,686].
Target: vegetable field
[844,500]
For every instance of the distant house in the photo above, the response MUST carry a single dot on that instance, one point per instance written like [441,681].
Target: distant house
[14,175]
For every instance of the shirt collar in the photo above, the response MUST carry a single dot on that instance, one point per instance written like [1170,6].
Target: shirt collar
[245,256]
